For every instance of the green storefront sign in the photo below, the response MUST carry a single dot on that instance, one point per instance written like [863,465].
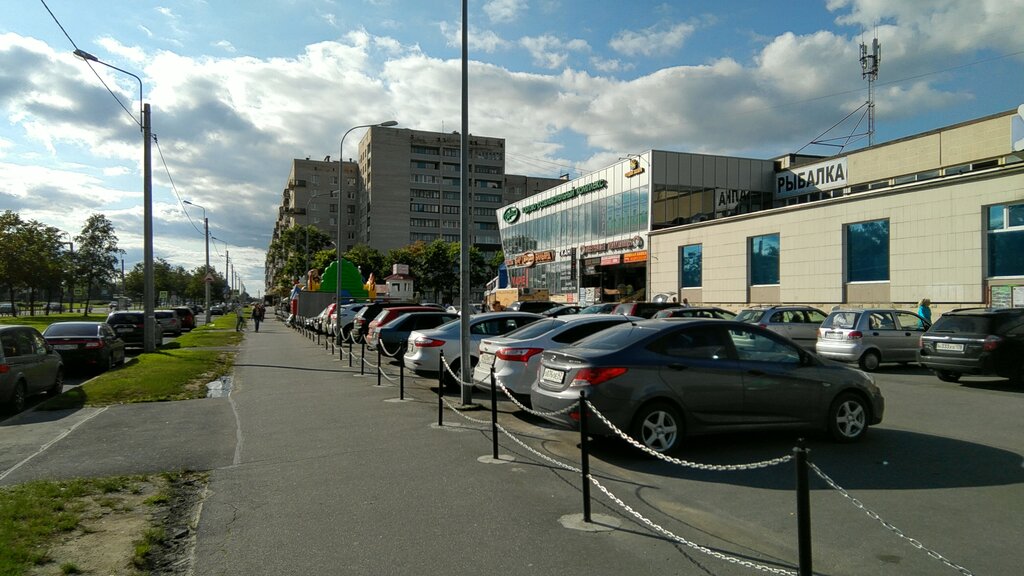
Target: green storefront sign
[557,199]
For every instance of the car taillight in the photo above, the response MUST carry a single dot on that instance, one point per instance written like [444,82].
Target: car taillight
[5,368]
[595,376]
[991,343]
[424,342]
[855,335]
[94,344]
[518,354]
[762,325]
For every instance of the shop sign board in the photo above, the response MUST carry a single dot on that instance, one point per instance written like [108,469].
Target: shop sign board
[827,175]
[611,260]
[569,194]
[639,256]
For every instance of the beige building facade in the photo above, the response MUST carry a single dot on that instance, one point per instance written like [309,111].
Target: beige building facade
[938,215]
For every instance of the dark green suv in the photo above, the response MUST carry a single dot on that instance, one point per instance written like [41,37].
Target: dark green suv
[981,341]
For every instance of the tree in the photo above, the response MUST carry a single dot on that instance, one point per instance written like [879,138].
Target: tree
[368,260]
[97,254]
[290,249]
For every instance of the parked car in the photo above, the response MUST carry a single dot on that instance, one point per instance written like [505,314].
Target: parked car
[425,346]
[217,310]
[186,316]
[8,308]
[663,379]
[642,309]
[603,308]
[871,336]
[564,310]
[169,321]
[130,327]
[54,307]
[319,322]
[361,322]
[695,312]
[346,314]
[387,315]
[798,323]
[392,336]
[537,306]
[981,341]
[516,355]
[28,366]
[88,344]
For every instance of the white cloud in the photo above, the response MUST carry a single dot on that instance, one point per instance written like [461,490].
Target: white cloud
[650,41]
[486,41]
[503,11]
[549,51]
[225,46]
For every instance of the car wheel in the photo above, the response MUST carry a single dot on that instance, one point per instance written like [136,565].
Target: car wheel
[947,376]
[869,361]
[659,426]
[848,418]
[17,403]
[1018,379]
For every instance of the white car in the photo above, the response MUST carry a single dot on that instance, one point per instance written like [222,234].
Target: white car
[516,355]
[425,346]
[348,313]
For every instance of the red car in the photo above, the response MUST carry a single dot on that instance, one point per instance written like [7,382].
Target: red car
[187,317]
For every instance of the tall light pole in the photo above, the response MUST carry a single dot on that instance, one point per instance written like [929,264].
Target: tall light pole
[148,286]
[206,278]
[71,277]
[341,213]
[227,258]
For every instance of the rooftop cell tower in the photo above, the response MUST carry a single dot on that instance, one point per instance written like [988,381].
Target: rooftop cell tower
[869,70]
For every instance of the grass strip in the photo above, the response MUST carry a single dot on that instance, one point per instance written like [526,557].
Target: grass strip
[32,515]
[41,321]
[164,375]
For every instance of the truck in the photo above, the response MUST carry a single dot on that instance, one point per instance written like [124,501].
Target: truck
[504,296]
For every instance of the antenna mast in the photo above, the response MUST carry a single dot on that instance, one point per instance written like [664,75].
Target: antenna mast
[869,70]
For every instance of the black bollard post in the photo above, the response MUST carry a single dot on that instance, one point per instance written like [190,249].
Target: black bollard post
[362,357]
[380,367]
[440,390]
[350,351]
[803,509]
[401,380]
[584,456]
[494,416]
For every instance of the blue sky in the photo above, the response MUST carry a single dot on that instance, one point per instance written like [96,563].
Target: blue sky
[239,89]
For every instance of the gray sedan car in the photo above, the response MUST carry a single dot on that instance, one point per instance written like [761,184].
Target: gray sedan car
[28,365]
[660,380]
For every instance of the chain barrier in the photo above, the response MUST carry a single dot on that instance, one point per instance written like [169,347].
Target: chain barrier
[544,457]
[454,376]
[459,412]
[686,463]
[874,516]
[685,542]
[508,393]
[385,352]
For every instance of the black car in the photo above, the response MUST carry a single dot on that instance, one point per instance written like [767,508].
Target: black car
[981,341]
[89,344]
[565,310]
[361,323]
[130,327]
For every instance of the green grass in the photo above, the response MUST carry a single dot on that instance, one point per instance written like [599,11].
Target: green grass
[32,515]
[220,332]
[162,376]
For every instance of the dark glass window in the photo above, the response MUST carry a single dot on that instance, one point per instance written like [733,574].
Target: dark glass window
[1006,240]
[691,266]
[764,259]
[867,251]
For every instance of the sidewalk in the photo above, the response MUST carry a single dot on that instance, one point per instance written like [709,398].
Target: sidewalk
[333,476]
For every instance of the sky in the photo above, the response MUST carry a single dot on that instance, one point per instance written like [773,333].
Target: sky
[240,88]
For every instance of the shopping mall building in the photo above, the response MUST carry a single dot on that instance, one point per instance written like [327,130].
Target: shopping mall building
[937,215]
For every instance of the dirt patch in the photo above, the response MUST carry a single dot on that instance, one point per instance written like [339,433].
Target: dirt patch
[163,507]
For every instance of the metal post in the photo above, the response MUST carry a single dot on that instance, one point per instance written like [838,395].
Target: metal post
[350,351]
[380,367]
[585,457]
[362,357]
[494,415]
[803,509]
[149,289]
[440,390]
[401,380]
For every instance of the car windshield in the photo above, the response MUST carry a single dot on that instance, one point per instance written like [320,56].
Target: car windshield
[614,338]
[841,320]
[749,316]
[71,330]
[595,309]
[534,329]
[127,318]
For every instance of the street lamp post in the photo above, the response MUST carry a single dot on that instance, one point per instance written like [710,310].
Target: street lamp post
[149,289]
[206,278]
[71,263]
[341,197]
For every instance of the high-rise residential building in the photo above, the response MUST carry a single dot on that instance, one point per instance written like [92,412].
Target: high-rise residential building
[405,187]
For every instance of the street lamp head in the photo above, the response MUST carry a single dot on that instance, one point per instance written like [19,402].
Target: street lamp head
[389,123]
[86,56]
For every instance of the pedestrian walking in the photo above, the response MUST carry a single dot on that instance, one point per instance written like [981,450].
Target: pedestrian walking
[924,310]
[257,316]
[240,317]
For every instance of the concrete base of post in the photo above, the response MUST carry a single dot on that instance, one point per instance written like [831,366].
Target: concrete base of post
[598,523]
[501,459]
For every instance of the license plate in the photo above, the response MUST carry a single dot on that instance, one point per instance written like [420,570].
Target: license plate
[124,328]
[65,347]
[487,359]
[834,335]
[949,346]
[550,375]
